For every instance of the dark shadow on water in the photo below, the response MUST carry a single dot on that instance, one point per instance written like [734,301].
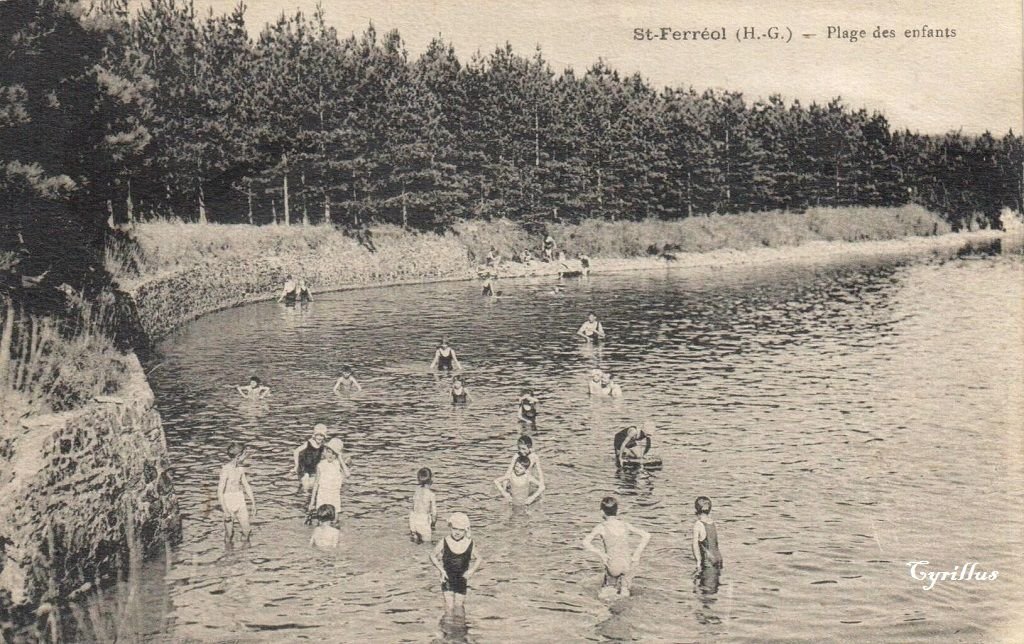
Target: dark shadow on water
[454,630]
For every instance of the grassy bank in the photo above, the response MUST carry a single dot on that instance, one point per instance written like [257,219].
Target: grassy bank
[178,271]
[387,251]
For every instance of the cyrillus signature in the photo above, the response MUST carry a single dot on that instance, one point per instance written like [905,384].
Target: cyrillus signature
[966,572]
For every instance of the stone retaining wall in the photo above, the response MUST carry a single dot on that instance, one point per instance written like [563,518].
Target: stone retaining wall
[75,488]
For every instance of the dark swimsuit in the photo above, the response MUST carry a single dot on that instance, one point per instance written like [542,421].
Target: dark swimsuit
[620,438]
[455,566]
[459,398]
[709,554]
[488,291]
[444,362]
[304,295]
[309,458]
[527,410]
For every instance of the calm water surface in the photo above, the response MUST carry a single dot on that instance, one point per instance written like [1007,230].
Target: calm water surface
[845,421]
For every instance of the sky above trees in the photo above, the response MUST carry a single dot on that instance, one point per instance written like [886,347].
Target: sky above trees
[971,83]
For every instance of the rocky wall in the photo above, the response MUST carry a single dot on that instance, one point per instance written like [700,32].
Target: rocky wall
[80,492]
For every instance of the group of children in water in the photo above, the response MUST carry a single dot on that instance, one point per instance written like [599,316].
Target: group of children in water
[322,469]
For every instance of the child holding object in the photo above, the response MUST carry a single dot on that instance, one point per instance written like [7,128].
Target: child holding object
[424,507]
[619,564]
[231,492]
[457,560]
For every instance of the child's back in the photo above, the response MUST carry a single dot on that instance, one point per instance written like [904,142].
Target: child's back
[710,555]
[519,487]
[424,507]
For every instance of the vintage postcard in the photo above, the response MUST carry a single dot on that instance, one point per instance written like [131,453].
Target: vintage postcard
[452,321]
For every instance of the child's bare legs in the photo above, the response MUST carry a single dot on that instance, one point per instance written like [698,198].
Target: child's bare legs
[229,529]
[449,601]
[243,523]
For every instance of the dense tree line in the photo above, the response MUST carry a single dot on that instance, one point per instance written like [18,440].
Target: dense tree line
[300,124]
[107,112]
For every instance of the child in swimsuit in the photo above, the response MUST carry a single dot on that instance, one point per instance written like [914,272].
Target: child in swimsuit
[254,390]
[619,564]
[594,384]
[288,291]
[302,291]
[591,328]
[516,486]
[331,473]
[445,358]
[460,395]
[325,535]
[424,507]
[609,388]
[705,536]
[632,443]
[457,560]
[524,447]
[231,492]
[528,407]
[347,380]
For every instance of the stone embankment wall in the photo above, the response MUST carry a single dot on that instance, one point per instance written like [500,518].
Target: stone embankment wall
[166,302]
[81,492]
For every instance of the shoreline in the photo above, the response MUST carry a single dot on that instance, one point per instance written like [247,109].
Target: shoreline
[214,290]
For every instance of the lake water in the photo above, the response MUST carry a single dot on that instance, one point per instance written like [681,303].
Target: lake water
[845,420]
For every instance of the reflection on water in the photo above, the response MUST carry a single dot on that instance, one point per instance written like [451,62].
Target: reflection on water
[844,421]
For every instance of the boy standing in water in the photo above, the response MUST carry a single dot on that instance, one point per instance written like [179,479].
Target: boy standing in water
[516,486]
[619,565]
[231,493]
[254,390]
[424,507]
[524,446]
[705,543]
[457,560]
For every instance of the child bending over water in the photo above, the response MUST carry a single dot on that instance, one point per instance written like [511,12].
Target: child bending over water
[424,507]
[254,390]
[231,492]
[619,564]
[515,486]
[325,535]
[457,560]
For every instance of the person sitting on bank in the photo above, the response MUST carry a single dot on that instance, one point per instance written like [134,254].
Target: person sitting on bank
[289,291]
[632,443]
[445,358]
[307,456]
[591,328]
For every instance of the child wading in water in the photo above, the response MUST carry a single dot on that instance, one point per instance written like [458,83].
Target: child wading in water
[331,472]
[457,559]
[254,390]
[424,507]
[524,446]
[231,493]
[705,546]
[619,565]
[325,535]
[528,407]
[515,486]
[347,380]
[460,395]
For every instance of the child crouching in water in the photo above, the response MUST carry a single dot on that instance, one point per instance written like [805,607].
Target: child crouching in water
[424,507]
[457,560]
[325,535]
[619,565]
